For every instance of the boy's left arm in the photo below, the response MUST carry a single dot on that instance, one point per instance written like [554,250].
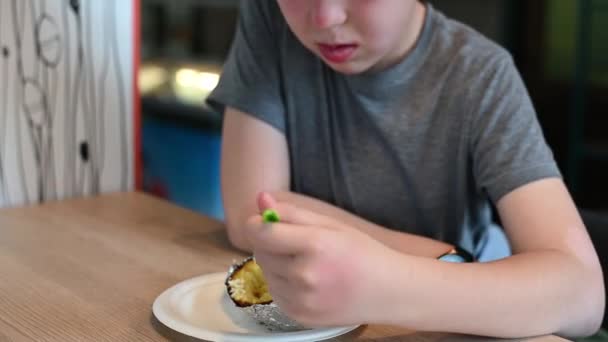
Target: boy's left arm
[552,284]
[542,218]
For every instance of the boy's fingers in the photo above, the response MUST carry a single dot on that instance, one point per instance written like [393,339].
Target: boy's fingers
[290,213]
[274,264]
[280,238]
[280,292]
[265,201]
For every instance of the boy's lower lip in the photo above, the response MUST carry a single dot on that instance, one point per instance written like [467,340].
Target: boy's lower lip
[337,53]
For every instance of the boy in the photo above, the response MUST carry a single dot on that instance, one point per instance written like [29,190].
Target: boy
[381,132]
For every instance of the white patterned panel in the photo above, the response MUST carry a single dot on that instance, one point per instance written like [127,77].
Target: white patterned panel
[66,102]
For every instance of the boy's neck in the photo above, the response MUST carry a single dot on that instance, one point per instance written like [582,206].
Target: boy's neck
[415,25]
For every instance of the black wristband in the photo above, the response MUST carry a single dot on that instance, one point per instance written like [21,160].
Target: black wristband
[457,254]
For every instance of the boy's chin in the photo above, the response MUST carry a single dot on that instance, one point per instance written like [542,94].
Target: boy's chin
[353,68]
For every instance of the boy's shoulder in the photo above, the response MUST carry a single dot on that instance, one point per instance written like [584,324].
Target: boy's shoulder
[463,44]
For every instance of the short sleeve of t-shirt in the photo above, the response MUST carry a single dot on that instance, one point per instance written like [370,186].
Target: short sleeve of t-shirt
[506,141]
[251,79]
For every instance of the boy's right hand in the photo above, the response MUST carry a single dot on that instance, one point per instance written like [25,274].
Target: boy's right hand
[320,271]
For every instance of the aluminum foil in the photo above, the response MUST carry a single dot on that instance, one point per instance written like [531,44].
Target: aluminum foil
[269,315]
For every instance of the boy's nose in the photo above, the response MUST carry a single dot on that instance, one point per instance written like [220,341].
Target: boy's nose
[328,13]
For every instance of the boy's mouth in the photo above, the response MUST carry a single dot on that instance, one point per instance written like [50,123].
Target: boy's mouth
[337,53]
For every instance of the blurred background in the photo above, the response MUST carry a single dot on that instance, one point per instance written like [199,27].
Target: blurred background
[559,46]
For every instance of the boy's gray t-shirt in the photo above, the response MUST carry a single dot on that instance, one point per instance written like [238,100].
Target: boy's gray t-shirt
[423,147]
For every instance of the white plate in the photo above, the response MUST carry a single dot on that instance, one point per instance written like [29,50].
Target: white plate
[201,308]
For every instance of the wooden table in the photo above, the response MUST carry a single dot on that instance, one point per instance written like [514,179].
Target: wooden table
[90,269]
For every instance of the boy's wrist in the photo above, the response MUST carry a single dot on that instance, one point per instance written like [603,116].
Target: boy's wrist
[407,279]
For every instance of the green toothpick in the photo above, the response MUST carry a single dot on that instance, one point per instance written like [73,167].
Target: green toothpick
[270,216]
